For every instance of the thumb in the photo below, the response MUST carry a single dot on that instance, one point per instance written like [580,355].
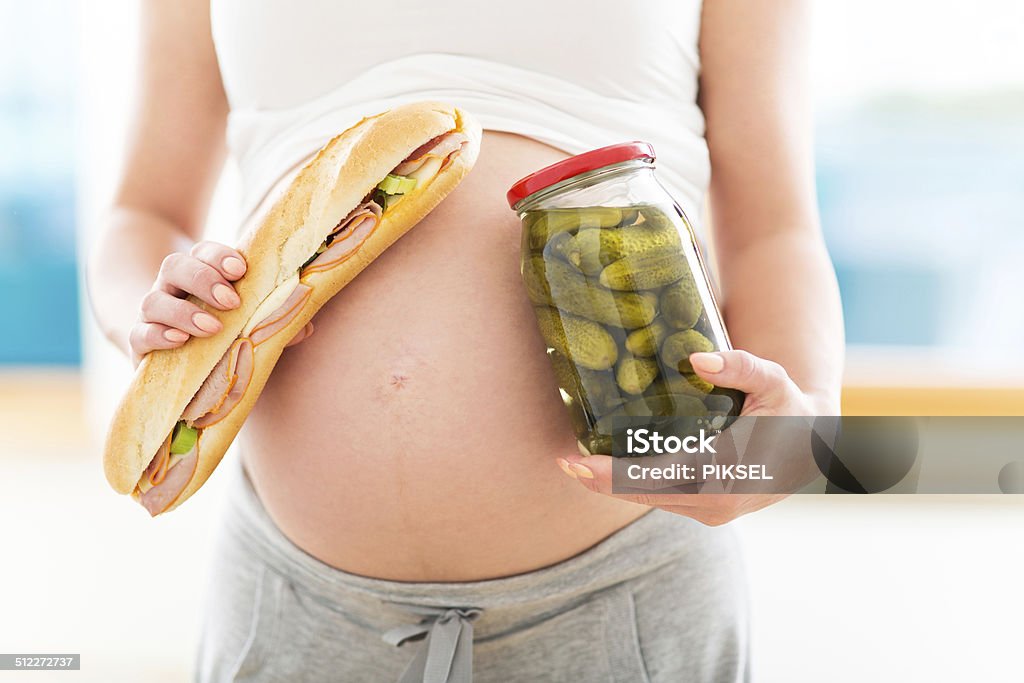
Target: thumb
[302,335]
[741,370]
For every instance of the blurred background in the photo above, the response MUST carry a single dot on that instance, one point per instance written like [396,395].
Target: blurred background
[920,146]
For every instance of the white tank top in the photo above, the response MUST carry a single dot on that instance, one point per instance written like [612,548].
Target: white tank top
[575,74]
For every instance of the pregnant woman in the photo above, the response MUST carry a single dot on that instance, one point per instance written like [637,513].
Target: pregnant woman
[410,504]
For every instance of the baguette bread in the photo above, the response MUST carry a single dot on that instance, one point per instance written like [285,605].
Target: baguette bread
[323,193]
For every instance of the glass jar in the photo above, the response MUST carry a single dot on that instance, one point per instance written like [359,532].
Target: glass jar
[622,297]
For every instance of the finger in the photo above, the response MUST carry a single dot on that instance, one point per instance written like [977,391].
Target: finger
[145,337]
[595,473]
[187,274]
[303,334]
[708,508]
[741,370]
[228,262]
[160,307]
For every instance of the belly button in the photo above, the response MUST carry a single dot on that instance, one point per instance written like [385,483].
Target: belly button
[398,381]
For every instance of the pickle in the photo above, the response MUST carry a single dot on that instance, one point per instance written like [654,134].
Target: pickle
[582,341]
[584,249]
[654,216]
[676,350]
[600,217]
[590,250]
[598,443]
[665,405]
[646,341]
[634,375]
[534,268]
[577,412]
[687,385]
[594,387]
[697,382]
[543,225]
[559,246]
[604,424]
[601,390]
[565,373]
[680,303]
[647,270]
[666,413]
[630,214]
[551,282]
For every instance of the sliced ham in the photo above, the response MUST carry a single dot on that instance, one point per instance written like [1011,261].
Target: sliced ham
[440,147]
[347,239]
[282,316]
[213,393]
[227,384]
[163,495]
[157,469]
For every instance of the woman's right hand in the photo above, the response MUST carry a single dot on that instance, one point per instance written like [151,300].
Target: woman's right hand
[166,319]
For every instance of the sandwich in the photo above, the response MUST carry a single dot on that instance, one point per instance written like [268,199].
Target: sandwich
[360,193]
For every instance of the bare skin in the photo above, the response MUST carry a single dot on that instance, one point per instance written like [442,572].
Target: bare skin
[414,436]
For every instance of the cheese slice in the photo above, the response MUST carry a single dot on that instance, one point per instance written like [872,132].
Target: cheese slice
[274,300]
[427,171]
[144,484]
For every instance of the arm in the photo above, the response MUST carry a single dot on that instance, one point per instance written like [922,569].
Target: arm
[175,151]
[779,293]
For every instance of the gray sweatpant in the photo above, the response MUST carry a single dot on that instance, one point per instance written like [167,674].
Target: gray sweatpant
[662,600]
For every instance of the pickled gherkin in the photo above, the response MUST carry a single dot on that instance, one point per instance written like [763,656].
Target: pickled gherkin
[630,214]
[634,375]
[595,388]
[688,385]
[584,248]
[559,246]
[676,350]
[544,225]
[699,383]
[646,341]
[582,341]
[680,303]
[647,270]
[551,282]
[601,390]
[591,250]
[664,405]
[600,217]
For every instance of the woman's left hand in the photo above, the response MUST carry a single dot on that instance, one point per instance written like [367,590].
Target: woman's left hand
[770,391]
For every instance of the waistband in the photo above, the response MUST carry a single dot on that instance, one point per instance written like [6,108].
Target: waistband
[642,547]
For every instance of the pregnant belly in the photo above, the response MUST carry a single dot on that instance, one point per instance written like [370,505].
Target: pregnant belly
[413,436]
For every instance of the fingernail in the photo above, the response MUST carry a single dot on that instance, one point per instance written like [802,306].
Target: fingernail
[224,295]
[564,464]
[206,322]
[176,336]
[582,471]
[708,362]
[234,266]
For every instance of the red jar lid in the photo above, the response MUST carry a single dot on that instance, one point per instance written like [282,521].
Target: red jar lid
[574,166]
